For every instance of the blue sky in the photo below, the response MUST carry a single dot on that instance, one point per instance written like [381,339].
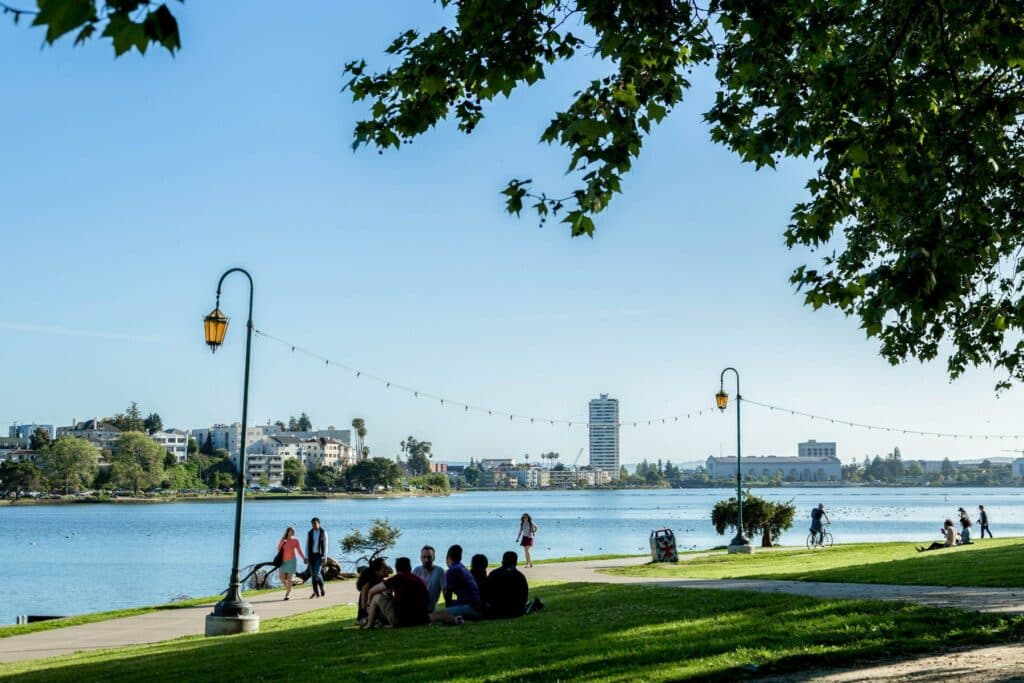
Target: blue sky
[127,186]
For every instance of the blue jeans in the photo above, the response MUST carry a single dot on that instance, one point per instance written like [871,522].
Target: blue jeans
[464,611]
[316,561]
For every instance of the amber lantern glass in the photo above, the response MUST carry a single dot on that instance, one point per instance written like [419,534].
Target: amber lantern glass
[216,326]
[721,400]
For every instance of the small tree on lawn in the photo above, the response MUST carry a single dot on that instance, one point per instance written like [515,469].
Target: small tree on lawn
[381,538]
[760,517]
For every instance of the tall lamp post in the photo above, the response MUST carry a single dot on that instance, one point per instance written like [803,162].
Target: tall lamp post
[233,614]
[739,543]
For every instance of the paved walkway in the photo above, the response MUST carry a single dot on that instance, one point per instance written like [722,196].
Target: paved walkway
[168,624]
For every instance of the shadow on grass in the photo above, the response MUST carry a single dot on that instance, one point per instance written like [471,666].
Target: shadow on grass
[589,632]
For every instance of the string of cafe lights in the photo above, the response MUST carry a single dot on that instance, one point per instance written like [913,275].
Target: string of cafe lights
[882,428]
[470,407]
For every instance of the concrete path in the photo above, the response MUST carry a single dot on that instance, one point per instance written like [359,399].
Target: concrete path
[168,624]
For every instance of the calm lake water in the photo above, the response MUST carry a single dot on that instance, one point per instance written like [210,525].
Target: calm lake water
[71,559]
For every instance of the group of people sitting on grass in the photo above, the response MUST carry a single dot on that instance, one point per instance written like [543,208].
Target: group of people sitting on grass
[950,536]
[409,597]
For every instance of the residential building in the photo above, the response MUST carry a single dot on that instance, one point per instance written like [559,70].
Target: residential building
[771,466]
[496,478]
[1017,470]
[438,468]
[19,455]
[100,434]
[229,437]
[584,477]
[24,432]
[496,463]
[8,444]
[814,449]
[175,441]
[604,434]
[532,477]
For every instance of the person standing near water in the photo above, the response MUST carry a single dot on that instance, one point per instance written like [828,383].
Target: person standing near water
[983,522]
[288,546]
[316,550]
[527,530]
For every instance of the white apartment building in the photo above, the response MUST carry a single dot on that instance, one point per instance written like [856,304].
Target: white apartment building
[604,434]
[175,441]
[229,437]
[496,463]
[816,449]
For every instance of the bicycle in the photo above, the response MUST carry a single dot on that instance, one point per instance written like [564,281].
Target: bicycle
[824,541]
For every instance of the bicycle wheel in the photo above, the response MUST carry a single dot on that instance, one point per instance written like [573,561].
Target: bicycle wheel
[812,541]
[827,540]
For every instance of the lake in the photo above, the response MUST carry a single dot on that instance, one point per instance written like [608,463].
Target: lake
[72,559]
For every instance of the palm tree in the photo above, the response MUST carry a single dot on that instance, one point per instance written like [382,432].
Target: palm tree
[359,425]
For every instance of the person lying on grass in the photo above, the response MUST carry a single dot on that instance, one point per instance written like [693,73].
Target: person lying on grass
[948,533]
[400,600]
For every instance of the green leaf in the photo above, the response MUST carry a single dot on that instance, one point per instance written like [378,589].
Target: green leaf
[62,16]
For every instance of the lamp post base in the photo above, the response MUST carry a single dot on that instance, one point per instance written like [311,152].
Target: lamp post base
[229,626]
[740,544]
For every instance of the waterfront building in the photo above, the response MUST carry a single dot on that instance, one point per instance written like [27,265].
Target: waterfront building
[532,477]
[767,467]
[604,434]
[175,441]
[97,432]
[812,449]
[24,432]
[1017,469]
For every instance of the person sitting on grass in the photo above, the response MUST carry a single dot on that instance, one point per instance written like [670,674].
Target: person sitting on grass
[507,590]
[950,535]
[400,600]
[478,570]
[368,578]
[432,575]
[460,583]
[965,527]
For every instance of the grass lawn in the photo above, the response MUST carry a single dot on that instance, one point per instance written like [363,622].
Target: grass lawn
[992,563]
[588,632]
[17,630]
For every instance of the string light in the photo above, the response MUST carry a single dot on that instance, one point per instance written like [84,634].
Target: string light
[890,429]
[466,407]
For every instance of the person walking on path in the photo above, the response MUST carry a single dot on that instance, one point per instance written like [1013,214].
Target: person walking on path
[316,550]
[965,526]
[983,522]
[286,548]
[527,530]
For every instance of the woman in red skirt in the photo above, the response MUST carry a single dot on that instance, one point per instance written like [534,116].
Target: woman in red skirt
[527,530]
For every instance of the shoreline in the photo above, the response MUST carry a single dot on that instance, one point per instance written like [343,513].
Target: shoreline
[258,497]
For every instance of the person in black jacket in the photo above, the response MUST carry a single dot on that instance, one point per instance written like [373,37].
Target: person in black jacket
[507,589]
[316,550]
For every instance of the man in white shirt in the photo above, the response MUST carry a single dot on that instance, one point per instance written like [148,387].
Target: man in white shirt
[432,575]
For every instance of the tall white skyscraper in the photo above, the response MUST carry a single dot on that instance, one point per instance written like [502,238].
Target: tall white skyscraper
[604,434]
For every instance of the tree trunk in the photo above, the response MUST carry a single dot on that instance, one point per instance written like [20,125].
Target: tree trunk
[766,538]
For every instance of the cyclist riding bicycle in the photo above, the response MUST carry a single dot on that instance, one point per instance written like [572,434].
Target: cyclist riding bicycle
[816,515]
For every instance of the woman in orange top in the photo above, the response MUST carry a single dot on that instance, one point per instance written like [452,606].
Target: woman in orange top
[288,546]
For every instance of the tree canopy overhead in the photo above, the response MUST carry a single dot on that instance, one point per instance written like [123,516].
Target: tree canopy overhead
[912,111]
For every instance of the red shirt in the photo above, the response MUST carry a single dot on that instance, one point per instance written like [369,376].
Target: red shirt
[410,599]
[290,547]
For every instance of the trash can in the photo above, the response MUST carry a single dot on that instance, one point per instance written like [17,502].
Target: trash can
[663,546]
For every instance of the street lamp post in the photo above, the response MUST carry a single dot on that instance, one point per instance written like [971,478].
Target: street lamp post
[740,543]
[233,614]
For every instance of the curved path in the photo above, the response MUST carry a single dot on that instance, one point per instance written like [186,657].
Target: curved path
[175,623]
